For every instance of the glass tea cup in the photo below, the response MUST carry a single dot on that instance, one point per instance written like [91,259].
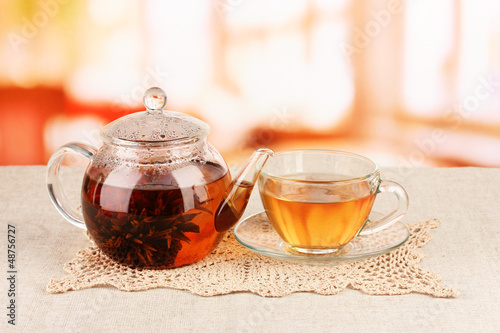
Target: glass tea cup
[319,200]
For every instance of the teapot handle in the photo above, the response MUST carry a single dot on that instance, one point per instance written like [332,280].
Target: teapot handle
[54,185]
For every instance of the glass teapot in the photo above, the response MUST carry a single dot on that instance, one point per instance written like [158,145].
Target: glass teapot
[156,194]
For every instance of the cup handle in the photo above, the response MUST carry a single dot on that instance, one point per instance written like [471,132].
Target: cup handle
[54,185]
[371,227]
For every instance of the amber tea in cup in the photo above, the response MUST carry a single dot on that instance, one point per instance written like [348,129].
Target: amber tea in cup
[319,200]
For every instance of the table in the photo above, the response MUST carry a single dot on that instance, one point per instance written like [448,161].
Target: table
[464,250]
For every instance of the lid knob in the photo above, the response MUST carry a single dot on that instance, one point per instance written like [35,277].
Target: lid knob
[155,99]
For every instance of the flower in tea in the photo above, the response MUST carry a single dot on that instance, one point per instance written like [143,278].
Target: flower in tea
[145,227]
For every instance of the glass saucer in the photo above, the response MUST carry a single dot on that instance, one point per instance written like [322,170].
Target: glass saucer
[257,234]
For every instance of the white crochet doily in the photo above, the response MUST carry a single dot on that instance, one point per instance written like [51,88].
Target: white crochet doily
[233,268]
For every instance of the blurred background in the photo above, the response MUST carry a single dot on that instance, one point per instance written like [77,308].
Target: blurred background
[407,83]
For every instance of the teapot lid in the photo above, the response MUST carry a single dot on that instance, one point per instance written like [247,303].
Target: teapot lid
[155,127]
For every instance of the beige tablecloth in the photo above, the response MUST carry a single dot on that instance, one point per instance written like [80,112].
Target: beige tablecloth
[465,251]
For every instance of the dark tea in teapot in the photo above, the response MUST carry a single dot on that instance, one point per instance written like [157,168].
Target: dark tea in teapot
[156,194]
[149,219]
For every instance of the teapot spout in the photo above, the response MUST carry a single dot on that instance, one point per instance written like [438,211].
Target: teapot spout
[235,199]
